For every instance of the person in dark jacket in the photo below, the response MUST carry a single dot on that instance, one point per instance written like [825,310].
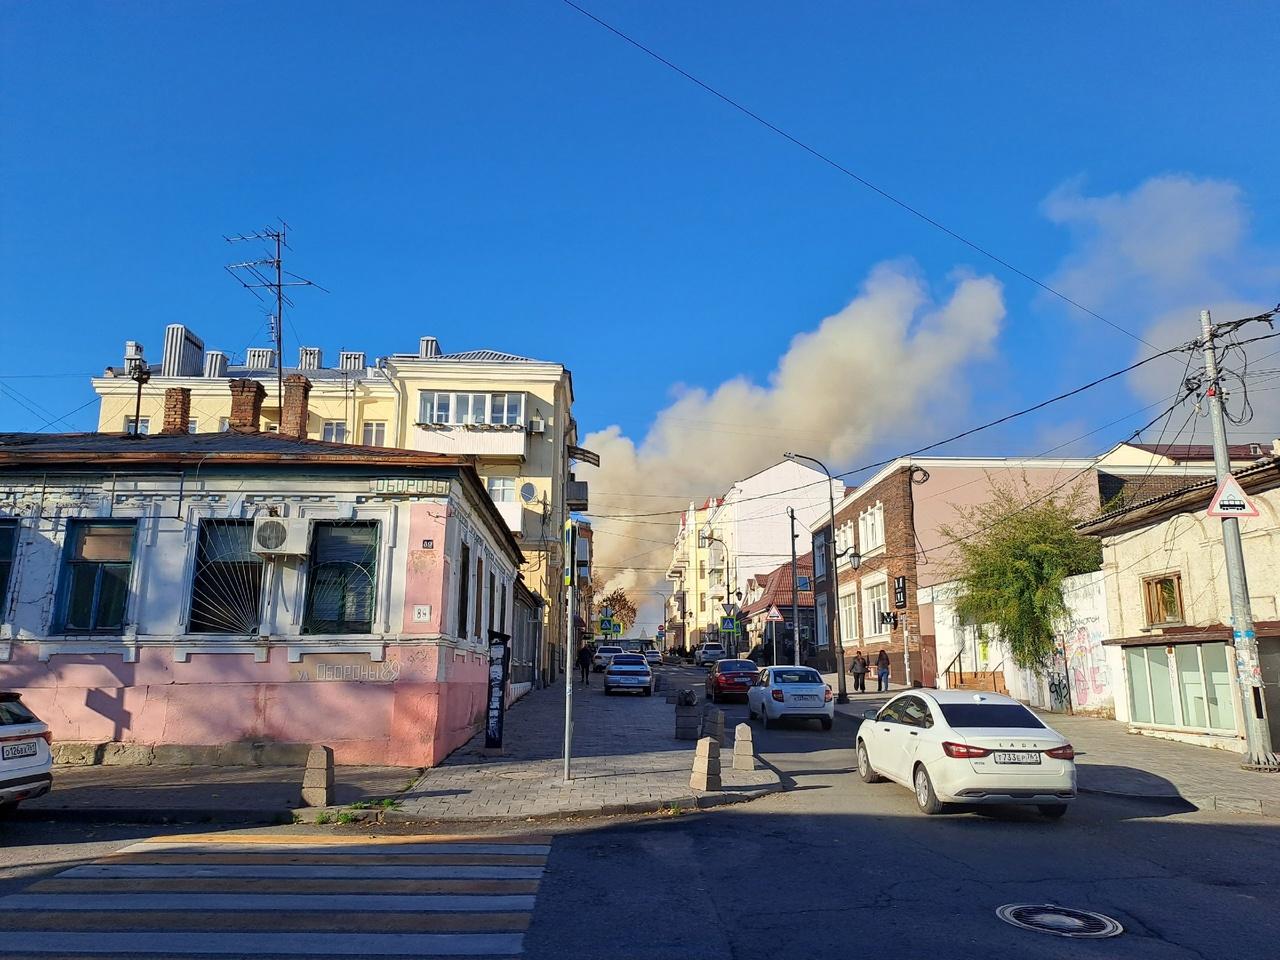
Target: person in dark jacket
[859,670]
[882,672]
[584,663]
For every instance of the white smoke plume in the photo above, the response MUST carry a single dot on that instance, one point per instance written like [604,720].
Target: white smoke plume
[889,361]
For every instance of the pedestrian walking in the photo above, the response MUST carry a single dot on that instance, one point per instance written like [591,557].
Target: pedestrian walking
[584,664]
[859,670]
[882,672]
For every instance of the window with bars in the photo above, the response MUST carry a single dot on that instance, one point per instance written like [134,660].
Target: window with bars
[226,591]
[95,576]
[342,577]
[875,602]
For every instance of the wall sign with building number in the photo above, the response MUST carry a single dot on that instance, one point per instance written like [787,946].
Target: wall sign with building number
[899,592]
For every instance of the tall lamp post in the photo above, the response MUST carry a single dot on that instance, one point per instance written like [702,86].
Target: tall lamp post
[843,695]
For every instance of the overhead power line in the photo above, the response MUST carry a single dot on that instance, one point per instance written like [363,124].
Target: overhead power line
[841,168]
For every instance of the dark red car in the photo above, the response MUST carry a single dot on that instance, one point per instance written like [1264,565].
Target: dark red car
[728,677]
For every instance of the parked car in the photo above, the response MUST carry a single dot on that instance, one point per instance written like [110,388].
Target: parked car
[628,671]
[26,762]
[602,657]
[790,692]
[956,746]
[730,677]
[652,656]
[708,653]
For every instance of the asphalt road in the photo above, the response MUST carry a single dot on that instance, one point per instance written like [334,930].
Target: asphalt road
[835,868]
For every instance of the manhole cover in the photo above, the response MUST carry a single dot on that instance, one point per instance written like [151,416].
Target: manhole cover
[1059,921]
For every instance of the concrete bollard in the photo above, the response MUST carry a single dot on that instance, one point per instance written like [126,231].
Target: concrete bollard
[317,779]
[744,748]
[713,726]
[688,721]
[706,765]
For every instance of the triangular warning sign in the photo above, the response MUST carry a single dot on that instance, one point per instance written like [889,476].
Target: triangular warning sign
[774,615]
[1230,500]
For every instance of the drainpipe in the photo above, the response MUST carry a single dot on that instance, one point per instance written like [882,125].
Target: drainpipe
[381,367]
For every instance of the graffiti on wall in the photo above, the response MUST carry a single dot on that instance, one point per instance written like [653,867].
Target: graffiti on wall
[1086,666]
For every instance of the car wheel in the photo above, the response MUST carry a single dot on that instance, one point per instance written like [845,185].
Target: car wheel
[751,714]
[648,691]
[764,717]
[865,770]
[8,808]
[1052,811]
[926,799]
[826,723]
[608,692]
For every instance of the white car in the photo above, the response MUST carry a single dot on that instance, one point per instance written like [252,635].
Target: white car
[955,746]
[630,672]
[652,657]
[797,693]
[26,762]
[602,657]
[709,653]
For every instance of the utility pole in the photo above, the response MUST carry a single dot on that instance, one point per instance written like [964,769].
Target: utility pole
[795,593]
[570,648]
[1258,755]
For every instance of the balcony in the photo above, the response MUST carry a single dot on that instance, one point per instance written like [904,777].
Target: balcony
[472,440]
[513,513]
[575,495]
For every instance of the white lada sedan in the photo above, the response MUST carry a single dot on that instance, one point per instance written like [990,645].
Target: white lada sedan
[956,746]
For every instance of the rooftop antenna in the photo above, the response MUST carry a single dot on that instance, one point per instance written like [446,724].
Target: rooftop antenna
[255,275]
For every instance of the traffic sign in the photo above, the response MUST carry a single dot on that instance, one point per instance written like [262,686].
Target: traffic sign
[1230,500]
[728,625]
[617,628]
[606,625]
[730,609]
[774,615]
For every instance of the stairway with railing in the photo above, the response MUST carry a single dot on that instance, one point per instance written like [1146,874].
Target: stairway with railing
[960,679]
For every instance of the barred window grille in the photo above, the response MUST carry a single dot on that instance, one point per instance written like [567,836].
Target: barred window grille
[340,594]
[226,593]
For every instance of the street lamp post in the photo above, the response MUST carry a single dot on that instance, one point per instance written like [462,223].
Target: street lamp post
[843,693]
[733,636]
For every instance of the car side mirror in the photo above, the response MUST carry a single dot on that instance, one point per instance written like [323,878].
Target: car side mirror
[869,714]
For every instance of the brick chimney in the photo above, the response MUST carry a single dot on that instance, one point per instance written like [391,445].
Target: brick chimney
[293,422]
[246,405]
[177,410]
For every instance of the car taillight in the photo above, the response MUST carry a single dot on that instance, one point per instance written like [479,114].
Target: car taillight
[47,736]
[1065,752]
[777,695]
[827,695]
[962,750]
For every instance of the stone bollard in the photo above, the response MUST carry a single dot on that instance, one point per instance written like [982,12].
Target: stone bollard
[317,779]
[744,748]
[706,765]
[688,715]
[659,683]
[713,725]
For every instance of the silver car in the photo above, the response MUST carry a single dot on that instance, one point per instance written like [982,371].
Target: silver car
[628,672]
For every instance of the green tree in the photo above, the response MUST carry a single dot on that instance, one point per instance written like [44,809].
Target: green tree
[1012,555]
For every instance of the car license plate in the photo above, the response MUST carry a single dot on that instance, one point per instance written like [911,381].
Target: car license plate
[16,750]
[803,696]
[1017,758]
[630,679]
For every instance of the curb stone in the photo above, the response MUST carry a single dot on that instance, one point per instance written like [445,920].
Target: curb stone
[159,816]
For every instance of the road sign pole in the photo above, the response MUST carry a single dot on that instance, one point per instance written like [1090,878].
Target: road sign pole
[1258,750]
[570,648]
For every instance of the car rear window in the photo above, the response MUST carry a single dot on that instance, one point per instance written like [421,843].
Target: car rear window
[796,676]
[628,660]
[609,650]
[1006,715]
[736,666]
[13,711]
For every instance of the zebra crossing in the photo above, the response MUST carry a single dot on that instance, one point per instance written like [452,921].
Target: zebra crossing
[286,895]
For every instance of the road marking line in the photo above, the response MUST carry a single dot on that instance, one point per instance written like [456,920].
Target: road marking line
[251,885]
[258,944]
[381,903]
[400,859]
[317,871]
[323,839]
[354,848]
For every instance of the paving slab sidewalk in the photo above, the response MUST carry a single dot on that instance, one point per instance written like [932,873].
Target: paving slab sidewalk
[1111,760]
[154,793]
[625,760]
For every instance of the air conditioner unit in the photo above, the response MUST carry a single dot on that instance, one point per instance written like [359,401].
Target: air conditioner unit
[277,536]
[537,425]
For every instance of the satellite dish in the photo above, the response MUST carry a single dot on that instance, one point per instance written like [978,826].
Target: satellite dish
[528,493]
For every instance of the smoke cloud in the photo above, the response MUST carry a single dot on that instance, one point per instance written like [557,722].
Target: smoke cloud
[889,361]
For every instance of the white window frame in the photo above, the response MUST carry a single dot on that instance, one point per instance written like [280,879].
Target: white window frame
[193,425]
[373,433]
[504,485]
[334,431]
[820,557]
[500,408]
[144,429]
[849,616]
[872,608]
[871,529]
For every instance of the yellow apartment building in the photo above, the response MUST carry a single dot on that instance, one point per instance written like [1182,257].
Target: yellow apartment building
[513,415]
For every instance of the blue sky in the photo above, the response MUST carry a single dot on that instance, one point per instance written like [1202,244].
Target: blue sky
[511,175]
